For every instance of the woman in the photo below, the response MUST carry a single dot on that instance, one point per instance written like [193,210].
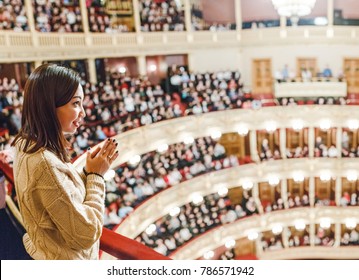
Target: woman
[62,209]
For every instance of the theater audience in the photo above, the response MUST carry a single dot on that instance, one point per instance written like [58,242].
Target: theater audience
[122,103]
[57,16]
[101,21]
[13,16]
[163,15]
[192,220]
[324,237]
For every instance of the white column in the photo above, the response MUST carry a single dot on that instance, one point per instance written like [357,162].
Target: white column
[187,16]
[31,22]
[338,234]
[330,12]
[191,62]
[311,140]
[253,145]
[283,22]
[284,192]
[84,16]
[255,194]
[283,142]
[258,243]
[136,14]
[238,14]
[312,233]
[92,70]
[141,62]
[30,15]
[285,237]
[311,191]
[339,141]
[338,190]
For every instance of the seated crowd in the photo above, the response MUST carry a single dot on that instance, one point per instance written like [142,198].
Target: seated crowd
[193,219]
[349,198]
[324,237]
[298,238]
[124,103]
[60,16]
[100,21]
[55,16]
[156,171]
[307,75]
[229,254]
[350,237]
[271,242]
[162,15]
[11,100]
[13,15]
[295,200]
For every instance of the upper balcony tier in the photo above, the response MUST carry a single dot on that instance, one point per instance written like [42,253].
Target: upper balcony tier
[34,46]
[148,138]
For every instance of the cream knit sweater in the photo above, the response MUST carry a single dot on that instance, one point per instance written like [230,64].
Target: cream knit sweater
[62,210]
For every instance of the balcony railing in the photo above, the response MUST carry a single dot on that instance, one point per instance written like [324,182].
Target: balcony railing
[216,237]
[311,89]
[26,46]
[148,138]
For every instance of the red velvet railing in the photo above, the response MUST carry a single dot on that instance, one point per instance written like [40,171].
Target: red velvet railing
[125,248]
[112,243]
[7,170]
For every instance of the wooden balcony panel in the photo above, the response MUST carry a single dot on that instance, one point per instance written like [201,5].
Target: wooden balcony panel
[49,41]
[74,40]
[20,40]
[101,40]
[2,40]
[227,36]
[176,37]
[310,89]
[126,39]
[202,37]
[154,38]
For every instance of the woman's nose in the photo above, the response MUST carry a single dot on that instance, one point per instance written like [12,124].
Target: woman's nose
[83,112]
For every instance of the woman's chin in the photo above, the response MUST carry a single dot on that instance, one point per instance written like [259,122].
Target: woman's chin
[69,132]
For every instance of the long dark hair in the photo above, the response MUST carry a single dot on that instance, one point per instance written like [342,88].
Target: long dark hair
[50,86]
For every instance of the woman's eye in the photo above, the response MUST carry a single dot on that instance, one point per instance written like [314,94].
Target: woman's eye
[77,103]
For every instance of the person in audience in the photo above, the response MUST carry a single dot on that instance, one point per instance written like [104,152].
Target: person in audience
[278,76]
[306,75]
[332,151]
[345,199]
[354,237]
[345,143]
[327,72]
[318,142]
[62,209]
[285,73]
[265,152]
[353,199]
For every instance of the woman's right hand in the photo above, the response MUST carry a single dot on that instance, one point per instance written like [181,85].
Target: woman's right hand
[100,160]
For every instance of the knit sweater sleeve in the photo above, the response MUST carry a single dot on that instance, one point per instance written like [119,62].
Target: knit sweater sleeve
[78,218]
[82,175]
